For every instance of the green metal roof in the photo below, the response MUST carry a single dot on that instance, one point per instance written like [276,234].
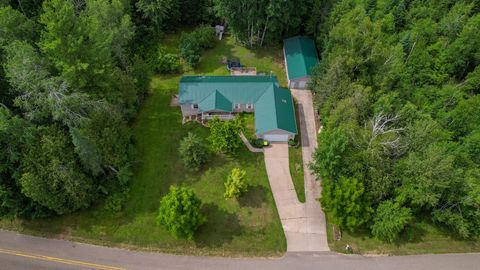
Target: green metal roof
[301,56]
[273,105]
[215,102]
[275,111]
[237,89]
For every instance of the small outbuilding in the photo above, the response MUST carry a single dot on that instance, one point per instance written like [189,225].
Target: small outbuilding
[300,57]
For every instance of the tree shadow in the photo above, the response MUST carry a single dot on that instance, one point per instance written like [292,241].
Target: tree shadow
[254,197]
[220,228]
[412,234]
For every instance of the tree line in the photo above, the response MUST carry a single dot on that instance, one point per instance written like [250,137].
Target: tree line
[397,92]
[73,74]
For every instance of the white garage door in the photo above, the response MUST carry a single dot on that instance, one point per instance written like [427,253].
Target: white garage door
[275,138]
[302,84]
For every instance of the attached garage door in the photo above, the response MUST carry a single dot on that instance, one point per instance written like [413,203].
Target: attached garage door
[275,138]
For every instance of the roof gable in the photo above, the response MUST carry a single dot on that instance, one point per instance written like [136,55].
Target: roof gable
[215,102]
[300,56]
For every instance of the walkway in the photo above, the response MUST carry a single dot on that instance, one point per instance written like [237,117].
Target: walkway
[21,252]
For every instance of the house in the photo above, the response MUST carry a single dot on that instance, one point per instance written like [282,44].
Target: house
[204,97]
[300,56]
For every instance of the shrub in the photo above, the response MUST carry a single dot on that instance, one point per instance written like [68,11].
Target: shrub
[390,219]
[346,202]
[190,49]
[205,35]
[292,142]
[235,184]
[114,203]
[258,143]
[193,152]
[164,62]
[191,44]
[224,136]
[179,212]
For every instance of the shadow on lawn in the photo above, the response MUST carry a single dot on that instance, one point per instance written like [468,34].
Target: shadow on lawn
[254,197]
[220,228]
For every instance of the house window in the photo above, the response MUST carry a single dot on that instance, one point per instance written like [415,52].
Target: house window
[236,106]
[249,106]
[194,106]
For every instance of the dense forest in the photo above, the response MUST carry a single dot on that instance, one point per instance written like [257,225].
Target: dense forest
[396,90]
[74,74]
[398,95]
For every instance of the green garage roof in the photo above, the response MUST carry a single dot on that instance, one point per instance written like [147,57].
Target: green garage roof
[275,111]
[300,56]
[273,105]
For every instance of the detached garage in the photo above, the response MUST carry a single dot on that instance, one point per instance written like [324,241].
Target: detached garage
[300,57]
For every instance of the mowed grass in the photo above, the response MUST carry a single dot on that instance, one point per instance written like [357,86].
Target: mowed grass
[422,238]
[249,226]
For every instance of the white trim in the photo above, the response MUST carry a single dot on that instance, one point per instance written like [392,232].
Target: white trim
[276,137]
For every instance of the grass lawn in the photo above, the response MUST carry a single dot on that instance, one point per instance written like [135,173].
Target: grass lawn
[423,237]
[295,160]
[249,226]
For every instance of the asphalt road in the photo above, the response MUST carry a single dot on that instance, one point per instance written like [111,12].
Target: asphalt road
[19,252]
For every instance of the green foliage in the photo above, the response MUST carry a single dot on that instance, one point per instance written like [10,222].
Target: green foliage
[400,80]
[50,175]
[15,26]
[190,49]
[345,200]
[163,62]
[257,143]
[329,158]
[193,152]
[253,23]
[114,203]
[159,12]
[71,99]
[205,36]
[224,135]
[235,184]
[390,220]
[179,212]
[192,44]
[91,62]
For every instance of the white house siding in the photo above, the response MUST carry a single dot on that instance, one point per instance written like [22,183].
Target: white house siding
[188,110]
[243,108]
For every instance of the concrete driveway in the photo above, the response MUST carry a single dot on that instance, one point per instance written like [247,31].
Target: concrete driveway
[302,223]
